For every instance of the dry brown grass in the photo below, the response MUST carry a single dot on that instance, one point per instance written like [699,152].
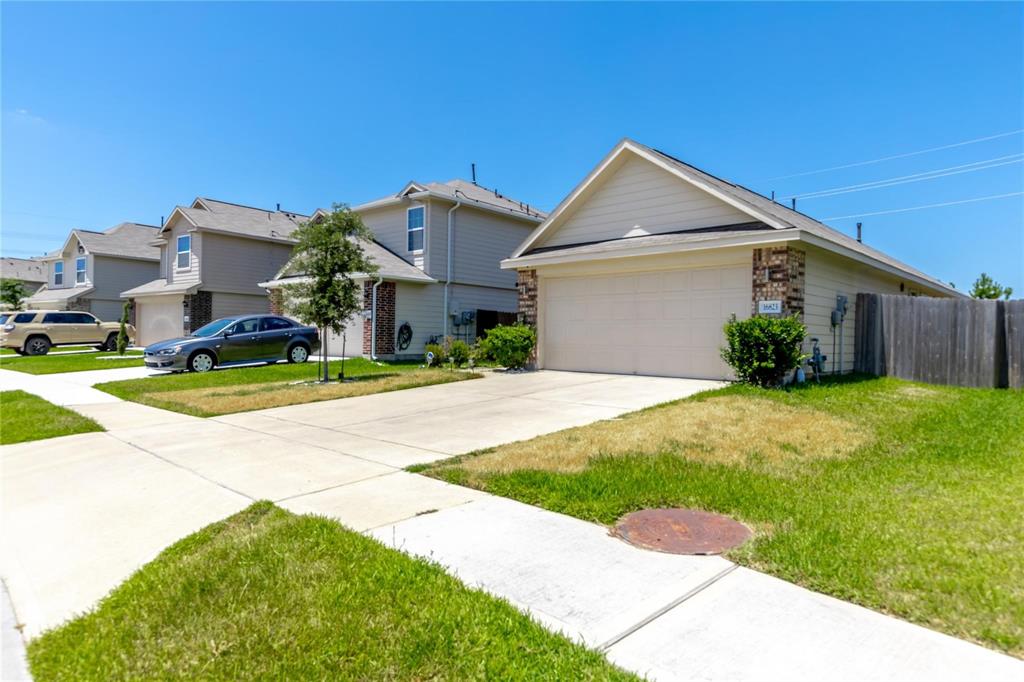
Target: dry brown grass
[217,400]
[728,430]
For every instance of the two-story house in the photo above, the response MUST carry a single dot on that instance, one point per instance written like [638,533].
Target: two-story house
[31,272]
[91,269]
[438,247]
[212,256]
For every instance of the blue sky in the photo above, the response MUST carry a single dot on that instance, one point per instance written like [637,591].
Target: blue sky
[116,112]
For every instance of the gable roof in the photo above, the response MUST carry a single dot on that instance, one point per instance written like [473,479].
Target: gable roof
[24,269]
[125,240]
[460,190]
[248,221]
[786,222]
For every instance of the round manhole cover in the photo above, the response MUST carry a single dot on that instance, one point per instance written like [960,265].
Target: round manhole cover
[681,531]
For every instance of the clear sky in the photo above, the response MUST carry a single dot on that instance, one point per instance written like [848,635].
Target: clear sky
[115,112]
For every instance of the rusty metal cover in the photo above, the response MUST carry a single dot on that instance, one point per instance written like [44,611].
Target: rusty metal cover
[681,531]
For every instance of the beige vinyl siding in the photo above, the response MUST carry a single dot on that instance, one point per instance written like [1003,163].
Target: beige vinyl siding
[639,198]
[237,265]
[482,241]
[436,262]
[471,297]
[828,275]
[225,305]
[169,251]
[420,305]
[111,275]
[388,225]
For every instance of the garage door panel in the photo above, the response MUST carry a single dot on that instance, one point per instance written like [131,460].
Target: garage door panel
[158,320]
[663,323]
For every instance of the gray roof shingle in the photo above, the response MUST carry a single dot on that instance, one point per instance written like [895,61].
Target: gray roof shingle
[24,269]
[127,240]
[243,220]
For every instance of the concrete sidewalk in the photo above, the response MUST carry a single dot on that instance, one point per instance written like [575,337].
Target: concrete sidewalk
[109,502]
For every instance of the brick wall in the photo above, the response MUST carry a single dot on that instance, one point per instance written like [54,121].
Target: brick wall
[386,299]
[527,285]
[199,308]
[276,302]
[778,275]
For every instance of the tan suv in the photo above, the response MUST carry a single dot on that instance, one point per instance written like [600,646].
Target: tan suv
[33,332]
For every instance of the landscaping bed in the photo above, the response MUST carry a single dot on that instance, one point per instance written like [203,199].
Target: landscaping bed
[253,388]
[71,362]
[27,417]
[902,497]
[267,594]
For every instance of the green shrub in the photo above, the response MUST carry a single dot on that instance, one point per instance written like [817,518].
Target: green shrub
[509,345]
[122,332]
[457,351]
[762,350]
[438,351]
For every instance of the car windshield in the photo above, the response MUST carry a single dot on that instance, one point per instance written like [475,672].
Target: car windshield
[212,329]
[3,318]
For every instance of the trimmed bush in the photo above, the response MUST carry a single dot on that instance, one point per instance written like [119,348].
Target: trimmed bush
[762,350]
[438,351]
[452,350]
[509,345]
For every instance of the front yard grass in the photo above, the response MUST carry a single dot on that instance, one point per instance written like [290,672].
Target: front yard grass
[72,362]
[55,349]
[254,388]
[904,498]
[267,594]
[25,417]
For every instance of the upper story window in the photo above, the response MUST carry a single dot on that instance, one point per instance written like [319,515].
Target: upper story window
[416,219]
[79,271]
[184,252]
[58,274]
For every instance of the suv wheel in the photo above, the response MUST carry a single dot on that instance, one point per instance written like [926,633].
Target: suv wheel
[37,345]
[298,354]
[110,344]
[201,362]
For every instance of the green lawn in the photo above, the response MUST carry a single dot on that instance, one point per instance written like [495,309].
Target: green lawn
[73,362]
[266,594]
[55,349]
[906,498]
[252,388]
[27,417]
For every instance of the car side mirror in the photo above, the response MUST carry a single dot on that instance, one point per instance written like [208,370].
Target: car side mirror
[98,322]
[228,332]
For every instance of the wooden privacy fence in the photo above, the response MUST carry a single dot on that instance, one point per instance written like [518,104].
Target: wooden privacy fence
[961,342]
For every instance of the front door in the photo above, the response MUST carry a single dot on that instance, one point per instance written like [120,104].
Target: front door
[243,341]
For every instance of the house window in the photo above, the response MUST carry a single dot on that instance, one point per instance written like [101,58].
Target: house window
[58,274]
[414,225]
[79,271]
[184,252]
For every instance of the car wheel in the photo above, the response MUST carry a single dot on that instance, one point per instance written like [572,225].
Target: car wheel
[298,353]
[110,344]
[201,362]
[37,345]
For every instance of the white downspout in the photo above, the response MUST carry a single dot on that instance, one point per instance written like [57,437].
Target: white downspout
[373,320]
[448,275]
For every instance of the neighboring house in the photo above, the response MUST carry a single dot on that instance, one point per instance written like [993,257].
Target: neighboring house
[92,269]
[637,270]
[212,255]
[31,272]
[438,247]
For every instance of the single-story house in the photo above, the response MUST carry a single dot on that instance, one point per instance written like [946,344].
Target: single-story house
[438,247]
[639,267]
[91,269]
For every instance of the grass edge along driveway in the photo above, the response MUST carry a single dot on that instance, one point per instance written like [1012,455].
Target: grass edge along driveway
[266,594]
[70,362]
[905,498]
[26,417]
[242,389]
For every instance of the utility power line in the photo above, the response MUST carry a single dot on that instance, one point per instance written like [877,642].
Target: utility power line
[918,208]
[914,177]
[898,156]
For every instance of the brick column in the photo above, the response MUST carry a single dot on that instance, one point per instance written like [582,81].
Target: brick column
[778,275]
[386,299]
[199,308]
[276,301]
[527,284]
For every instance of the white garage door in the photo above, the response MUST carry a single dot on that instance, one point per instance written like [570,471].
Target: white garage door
[158,319]
[353,342]
[665,323]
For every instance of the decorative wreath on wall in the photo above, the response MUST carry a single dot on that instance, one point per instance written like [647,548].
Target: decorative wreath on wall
[404,336]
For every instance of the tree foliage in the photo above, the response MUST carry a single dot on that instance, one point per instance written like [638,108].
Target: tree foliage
[988,288]
[11,293]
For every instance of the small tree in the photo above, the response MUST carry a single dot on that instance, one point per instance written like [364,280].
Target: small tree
[762,350]
[328,253]
[986,287]
[122,332]
[11,293]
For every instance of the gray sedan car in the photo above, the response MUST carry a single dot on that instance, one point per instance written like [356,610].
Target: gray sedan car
[235,340]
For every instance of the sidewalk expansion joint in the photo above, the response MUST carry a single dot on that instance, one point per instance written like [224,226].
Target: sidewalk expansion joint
[666,608]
